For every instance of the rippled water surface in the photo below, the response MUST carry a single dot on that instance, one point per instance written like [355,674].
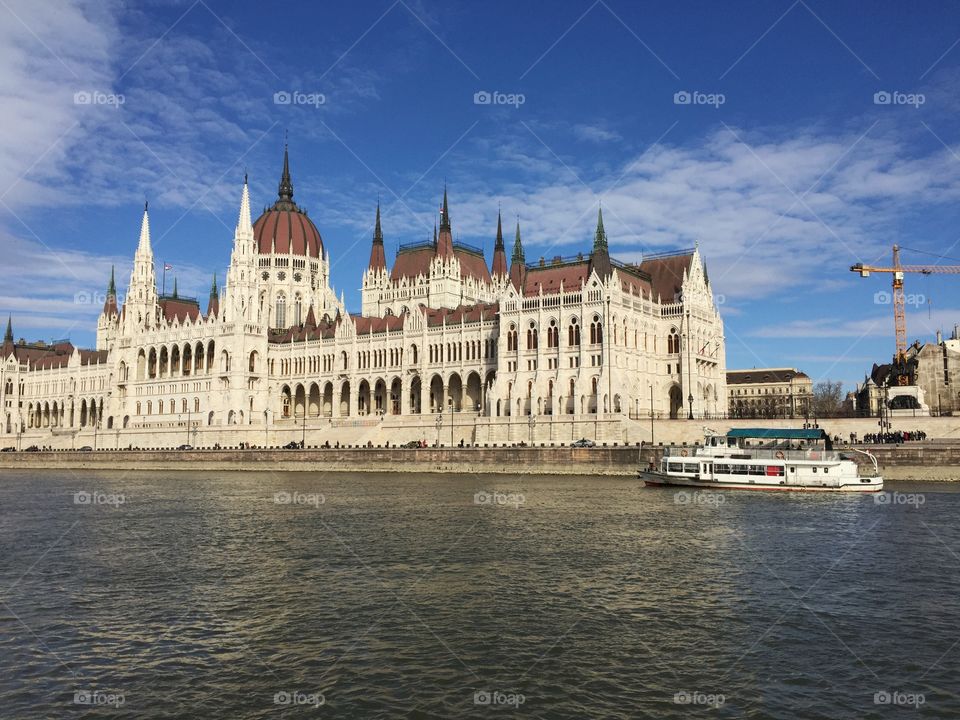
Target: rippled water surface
[362,596]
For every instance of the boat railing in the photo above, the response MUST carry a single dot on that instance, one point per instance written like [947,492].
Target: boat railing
[745,453]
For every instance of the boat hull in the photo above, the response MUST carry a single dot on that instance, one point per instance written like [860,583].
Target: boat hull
[655,479]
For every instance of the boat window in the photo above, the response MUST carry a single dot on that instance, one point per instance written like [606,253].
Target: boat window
[690,467]
[738,469]
[675,467]
[721,468]
[793,469]
[814,469]
[826,470]
[757,470]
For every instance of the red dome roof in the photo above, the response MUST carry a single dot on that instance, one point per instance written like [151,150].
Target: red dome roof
[285,228]
[291,230]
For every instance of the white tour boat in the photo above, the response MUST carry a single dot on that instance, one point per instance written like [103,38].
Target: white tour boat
[763,459]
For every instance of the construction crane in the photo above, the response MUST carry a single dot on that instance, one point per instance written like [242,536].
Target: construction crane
[899,314]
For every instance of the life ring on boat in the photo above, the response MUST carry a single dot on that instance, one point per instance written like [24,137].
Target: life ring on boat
[779,455]
[683,453]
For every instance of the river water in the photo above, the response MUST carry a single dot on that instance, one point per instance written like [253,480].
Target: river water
[254,595]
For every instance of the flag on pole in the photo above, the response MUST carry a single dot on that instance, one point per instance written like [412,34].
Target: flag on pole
[167,267]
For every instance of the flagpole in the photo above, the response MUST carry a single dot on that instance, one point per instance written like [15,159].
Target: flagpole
[164,291]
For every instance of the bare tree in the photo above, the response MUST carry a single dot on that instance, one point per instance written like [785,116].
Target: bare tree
[827,398]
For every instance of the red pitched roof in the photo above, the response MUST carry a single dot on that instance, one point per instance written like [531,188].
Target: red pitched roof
[472,264]
[180,309]
[370,325]
[464,313]
[412,262]
[666,273]
[572,275]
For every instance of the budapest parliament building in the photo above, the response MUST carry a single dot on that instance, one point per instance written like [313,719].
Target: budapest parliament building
[446,348]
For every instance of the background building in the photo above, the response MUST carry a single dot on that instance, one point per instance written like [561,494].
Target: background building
[769,393]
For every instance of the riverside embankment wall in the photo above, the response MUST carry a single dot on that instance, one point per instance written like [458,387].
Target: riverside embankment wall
[931,460]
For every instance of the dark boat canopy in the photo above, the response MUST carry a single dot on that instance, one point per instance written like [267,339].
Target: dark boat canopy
[778,434]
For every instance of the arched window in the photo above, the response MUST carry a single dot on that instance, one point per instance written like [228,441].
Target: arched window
[281,314]
[673,341]
[298,310]
[532,337]
[596,331]
[196,404]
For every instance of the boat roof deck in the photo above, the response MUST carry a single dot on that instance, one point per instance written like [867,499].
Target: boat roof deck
[778,434]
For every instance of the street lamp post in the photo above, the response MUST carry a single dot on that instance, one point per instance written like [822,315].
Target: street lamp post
[689,371]
[303,434]
[651,413]
[266,430]
[439,423]
[532,423]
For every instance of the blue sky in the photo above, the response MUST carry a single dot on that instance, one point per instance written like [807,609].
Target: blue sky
[785,169]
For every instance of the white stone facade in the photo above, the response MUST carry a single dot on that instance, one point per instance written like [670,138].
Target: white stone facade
[277,353]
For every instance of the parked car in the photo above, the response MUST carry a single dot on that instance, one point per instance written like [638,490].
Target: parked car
[292,445]
[32,448]
[411,444]
[583,443]
[8,449]
[85,448]
[185,447]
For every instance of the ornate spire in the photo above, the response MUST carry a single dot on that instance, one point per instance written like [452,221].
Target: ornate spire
[499,250]
[285,191]
[244,223]
[444,241]
[600,257]
[110,303]
[144,244]
[8,336]
[517,246]
[600,238]
[518,268]
[174,295]
[445,212]
[378,260]
[213,304]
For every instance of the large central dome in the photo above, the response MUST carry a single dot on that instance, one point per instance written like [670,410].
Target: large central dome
[285,228]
